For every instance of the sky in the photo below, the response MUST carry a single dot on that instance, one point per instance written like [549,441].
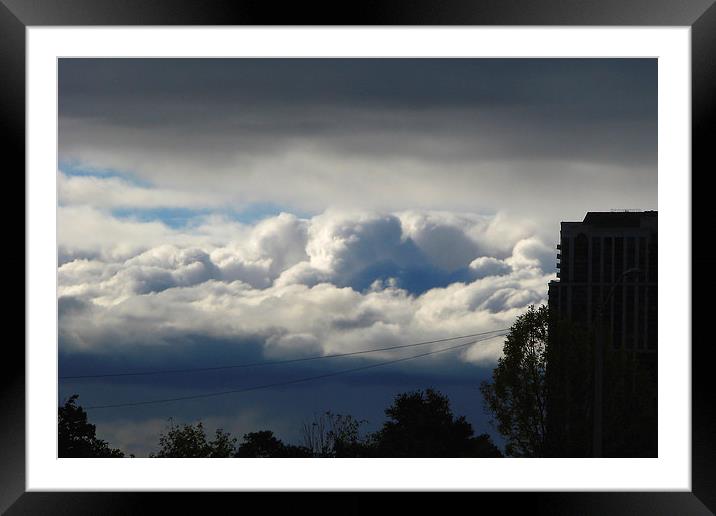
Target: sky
[223,211]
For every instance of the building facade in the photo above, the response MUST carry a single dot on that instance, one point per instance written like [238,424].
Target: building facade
[608,270]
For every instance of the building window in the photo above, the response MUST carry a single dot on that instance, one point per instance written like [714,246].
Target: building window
[579,304]
[642,317]
[653,262]
[564,261]
[608,267]
[652,326]
[618,258]
[581,258]
[617,316]
[629,314]
[630,258]
[596,259]
[642,259]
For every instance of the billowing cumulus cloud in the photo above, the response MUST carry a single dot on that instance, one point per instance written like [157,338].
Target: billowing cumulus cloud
[305,285]
[489,266]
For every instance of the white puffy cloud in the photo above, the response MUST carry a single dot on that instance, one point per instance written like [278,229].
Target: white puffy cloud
[489,266]
[286,281]
[532,252]
[444,237]
[343,242]
[117,192]
[264,252]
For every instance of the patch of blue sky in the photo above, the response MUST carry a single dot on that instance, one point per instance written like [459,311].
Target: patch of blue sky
[175,218]
[179,218]
[77,168]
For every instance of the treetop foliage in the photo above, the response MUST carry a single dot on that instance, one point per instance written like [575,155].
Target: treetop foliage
[421,424]
[517,395]
[190,441]
[76,436]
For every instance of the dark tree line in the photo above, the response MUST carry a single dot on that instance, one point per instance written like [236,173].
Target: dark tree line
[419,424]
[541,395]
[76,436]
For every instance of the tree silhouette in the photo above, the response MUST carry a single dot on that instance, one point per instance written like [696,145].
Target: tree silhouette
[421,424]
[190,441]
[265,444]
[517,395]
[333,435]
[223,445]
[76,436]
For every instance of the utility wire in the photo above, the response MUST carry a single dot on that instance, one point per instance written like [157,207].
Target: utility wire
[274,362]
[288,382]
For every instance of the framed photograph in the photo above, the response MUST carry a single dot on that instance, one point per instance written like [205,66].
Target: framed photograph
[412,251]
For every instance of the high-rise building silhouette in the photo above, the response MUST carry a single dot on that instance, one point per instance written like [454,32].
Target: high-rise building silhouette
[608,267]
[602,404]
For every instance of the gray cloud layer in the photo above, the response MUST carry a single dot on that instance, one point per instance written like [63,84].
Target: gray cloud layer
[480,135]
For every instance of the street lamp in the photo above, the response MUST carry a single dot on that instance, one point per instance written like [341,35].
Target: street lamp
[599,367]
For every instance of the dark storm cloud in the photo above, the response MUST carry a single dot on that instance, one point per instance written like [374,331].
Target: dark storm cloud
[606,88]
[69,304]
[188,353]
[591,109]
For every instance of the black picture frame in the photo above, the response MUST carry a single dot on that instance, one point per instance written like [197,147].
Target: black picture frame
[700,15]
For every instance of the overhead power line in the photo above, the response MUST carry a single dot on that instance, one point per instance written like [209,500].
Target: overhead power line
[274,362]
[287,382]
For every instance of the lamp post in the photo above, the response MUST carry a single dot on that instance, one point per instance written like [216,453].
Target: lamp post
[599,367]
